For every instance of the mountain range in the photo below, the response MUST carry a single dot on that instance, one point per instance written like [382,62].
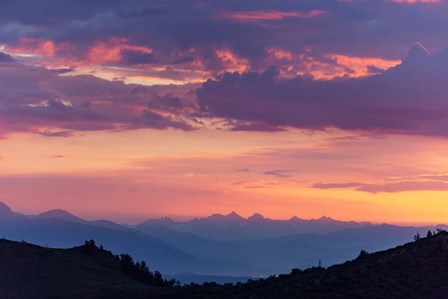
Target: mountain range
[225,246]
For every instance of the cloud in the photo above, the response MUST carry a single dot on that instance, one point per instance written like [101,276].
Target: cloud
[405,186]
[443,178]
[279,173]
[35,99]
[337,185]
[166,35]
[259,15]
[5,57]
[415,1]
[58,133]
[407,99]
[242,170]
[179,41]
[401,186]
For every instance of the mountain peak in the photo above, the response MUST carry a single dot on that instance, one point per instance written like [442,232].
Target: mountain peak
[234,215]
[4,209]
[231,217]
[7,214]
[256,217]
[325,219]
[295,219]
[59,214]
[416,53]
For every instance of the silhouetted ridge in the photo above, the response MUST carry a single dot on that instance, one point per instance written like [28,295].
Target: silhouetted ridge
[87,271]
[415,270]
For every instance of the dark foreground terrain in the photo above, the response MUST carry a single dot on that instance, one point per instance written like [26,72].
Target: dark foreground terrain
[30,271]
[415,270]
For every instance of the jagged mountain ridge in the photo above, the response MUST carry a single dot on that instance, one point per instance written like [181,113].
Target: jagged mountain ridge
[234,227]
[253,246]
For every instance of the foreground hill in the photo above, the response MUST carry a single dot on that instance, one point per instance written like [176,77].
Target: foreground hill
[414,270]
[30,271]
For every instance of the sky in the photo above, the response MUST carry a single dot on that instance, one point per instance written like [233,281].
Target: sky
[134,109]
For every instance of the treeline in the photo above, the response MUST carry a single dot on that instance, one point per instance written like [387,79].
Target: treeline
[137,270]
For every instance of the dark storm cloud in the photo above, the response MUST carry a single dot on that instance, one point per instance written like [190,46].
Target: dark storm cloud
[409,99]
[35,99]
[248,29]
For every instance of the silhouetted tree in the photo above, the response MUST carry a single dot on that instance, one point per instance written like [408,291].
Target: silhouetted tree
[429,234]
[140,272]
[417,237]
[126,263]
[363,254]
[439,230]
[89,247]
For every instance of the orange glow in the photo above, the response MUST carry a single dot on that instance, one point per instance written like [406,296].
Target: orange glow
[111,51]
[280,54]
[360,65]
[30,46]
[344,66]
[231,62]
[221,171]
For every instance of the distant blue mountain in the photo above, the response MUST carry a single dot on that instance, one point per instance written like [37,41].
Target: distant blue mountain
[234,227]
[218,245]
[57,229]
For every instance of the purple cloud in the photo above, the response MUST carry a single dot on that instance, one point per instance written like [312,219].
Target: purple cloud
[191,32]
[5,58]
[337,185]
[279,173]
[407,99]
[35,99]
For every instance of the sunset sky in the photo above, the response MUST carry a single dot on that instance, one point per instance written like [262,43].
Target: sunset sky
[134,109]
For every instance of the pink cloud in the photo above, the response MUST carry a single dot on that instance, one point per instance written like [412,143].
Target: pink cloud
[260,15]
[401,186]
[416,1]
[43,101]
[33,46]
[114,50]
[407,99]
